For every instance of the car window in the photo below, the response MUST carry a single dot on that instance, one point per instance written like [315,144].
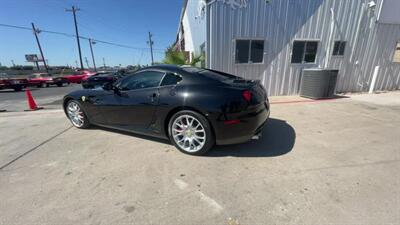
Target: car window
[170,79]
[146,79]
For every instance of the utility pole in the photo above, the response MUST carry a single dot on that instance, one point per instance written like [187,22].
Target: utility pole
[150,42]
[104,63]
[36,32]
[12,62]
[87,62]
[73,10]
[37,65]
[91,50]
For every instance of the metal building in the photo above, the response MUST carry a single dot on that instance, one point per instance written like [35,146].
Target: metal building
[273,40]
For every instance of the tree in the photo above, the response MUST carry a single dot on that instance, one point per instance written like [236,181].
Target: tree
[174,57]
[178,58]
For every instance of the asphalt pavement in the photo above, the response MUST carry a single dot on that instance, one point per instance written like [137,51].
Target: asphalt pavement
[49,97]
[318,162]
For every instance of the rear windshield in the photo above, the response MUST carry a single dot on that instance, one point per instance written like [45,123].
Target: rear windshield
[213,74]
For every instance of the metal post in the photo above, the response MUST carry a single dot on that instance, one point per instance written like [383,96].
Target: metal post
[87,62]
[373,81]
[35,32]
[150,42]
[73,10]
[91,50]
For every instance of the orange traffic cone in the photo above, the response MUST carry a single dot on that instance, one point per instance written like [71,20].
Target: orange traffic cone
[31,102]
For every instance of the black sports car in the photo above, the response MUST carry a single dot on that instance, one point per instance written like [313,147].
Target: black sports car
[100,79]
[194,108]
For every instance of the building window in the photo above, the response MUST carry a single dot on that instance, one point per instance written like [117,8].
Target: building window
[396,56]
[338,48]
[304,51]
[249,51]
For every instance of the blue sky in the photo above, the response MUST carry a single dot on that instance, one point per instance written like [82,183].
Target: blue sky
[120,21]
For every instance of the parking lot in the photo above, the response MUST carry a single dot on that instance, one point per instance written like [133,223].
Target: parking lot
[318,162]
[49,97]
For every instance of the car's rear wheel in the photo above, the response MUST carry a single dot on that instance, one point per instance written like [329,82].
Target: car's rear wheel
[190,132]
[76,115]
[59,84]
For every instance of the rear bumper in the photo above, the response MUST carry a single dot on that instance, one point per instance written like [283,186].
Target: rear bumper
[244,131]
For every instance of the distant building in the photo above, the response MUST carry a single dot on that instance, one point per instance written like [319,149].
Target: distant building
[273,40]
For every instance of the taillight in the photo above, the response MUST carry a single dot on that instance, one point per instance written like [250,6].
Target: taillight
[247,95]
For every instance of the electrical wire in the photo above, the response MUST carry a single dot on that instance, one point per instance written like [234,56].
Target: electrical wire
[82,37]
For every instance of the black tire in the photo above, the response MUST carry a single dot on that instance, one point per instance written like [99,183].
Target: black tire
[209,135]
[18,89]
[59,84]
[47,85]
[86,123]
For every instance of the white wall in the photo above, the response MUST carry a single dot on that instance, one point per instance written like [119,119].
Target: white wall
[389,12]
[194,25]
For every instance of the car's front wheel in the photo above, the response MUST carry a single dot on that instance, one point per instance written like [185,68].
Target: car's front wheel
[76,114]
[191,133]
[19,88]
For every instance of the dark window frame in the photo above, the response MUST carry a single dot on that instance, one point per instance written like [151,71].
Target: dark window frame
[249,51]
[304,50]
[339,51]
[138,73]
[166,73]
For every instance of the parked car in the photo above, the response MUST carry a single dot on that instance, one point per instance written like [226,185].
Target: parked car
[78,76]
[45,80]
[7,82]
[100,79]
[192,107]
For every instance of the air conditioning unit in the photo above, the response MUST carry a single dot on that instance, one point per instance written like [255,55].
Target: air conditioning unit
[318,83]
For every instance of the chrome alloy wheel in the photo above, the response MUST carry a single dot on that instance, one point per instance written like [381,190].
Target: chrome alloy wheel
[188,133]
[75,114]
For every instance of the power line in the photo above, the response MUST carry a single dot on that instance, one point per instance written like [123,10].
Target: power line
[82,37]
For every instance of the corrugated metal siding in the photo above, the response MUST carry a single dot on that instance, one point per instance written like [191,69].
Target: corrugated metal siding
[282,21]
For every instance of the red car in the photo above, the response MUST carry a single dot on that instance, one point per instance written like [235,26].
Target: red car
[78,76]
[45,80]
[6,82]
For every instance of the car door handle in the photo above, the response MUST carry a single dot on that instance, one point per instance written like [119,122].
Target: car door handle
[153,96]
